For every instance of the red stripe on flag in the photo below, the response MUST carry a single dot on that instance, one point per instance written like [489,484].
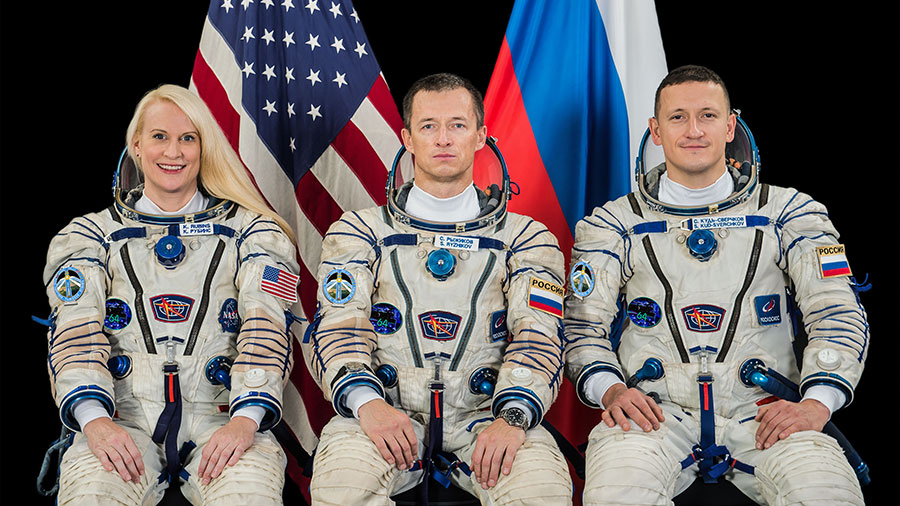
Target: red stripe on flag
[211,91]
[353,147]
[507,120]
[316,203]
[318,410]
[308,288]
[544,307]
[381,98]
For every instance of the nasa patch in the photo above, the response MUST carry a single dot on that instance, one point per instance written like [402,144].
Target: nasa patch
[171,308]
[439,325]
[385,318]
[228,316]
[703,317]
[644,312]
[499,330]
[68,284]
[581,279]
[339,286]
[118,314]
[768,309]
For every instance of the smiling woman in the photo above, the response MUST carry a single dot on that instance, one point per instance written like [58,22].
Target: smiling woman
[144,366]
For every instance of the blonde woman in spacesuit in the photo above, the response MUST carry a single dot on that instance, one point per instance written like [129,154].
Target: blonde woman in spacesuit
[161,304]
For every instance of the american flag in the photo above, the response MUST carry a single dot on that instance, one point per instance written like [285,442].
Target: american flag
[296,88]
[279,283]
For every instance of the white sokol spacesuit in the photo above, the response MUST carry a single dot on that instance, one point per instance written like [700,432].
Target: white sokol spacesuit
[707,292]
[148,314]
[431,314]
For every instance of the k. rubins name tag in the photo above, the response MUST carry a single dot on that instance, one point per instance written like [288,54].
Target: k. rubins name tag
[189,229]
[456,242]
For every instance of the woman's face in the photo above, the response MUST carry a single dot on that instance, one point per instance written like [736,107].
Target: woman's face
[168,147]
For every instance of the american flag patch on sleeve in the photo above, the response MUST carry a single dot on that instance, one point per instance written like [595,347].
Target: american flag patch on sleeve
[279,283]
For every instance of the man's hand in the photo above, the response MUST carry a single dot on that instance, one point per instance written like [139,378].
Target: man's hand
[496,445]
[780,419]
[226,447]
[391,431]
[623,403]
[115,449]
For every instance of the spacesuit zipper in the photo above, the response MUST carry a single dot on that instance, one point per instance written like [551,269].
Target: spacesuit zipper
[204,302]
[138,299]
[670,314]
[410,329]
[736,312]
[464,339]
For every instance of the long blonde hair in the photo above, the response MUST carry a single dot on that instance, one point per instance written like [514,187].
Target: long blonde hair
[222,175]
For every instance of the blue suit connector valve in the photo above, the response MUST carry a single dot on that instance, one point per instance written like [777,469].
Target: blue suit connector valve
[651,370]
[119,366]
[218,371]
[482,381]
[169,251]
[387,374]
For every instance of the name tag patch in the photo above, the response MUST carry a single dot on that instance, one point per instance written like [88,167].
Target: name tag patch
[768,309]
[189,229]
[456,242]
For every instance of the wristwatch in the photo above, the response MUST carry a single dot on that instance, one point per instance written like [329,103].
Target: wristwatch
[515,417]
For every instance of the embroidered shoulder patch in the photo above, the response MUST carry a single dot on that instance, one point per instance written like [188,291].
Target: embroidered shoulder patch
[833,261]
[69,284]
[339,286]
[279,283]
[581,279]
[118,314]
[546,296]
[385,318]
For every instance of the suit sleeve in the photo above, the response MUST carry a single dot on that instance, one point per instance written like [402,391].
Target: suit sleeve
[600,267]
[266,280]
[532,364]
[833,317]
[341,341]
[75,278]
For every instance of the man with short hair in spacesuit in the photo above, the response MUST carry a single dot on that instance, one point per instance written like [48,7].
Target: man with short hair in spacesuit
[438,334]
[707,261]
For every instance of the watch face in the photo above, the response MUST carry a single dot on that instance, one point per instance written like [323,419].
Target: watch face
[514,416]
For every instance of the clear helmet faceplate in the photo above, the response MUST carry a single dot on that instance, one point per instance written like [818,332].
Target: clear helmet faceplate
[490,177]
[741,157]
[128,187]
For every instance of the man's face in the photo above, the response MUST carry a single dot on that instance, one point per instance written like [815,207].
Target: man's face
[444,136]
[692,126]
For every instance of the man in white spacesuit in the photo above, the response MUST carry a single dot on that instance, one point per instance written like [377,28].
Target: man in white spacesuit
[707,260]
[160,304]
[438,334]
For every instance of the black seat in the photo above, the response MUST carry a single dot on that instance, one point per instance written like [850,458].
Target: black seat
[437,496]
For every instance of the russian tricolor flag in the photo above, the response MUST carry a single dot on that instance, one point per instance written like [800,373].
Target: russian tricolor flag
[833,261]
[569,100]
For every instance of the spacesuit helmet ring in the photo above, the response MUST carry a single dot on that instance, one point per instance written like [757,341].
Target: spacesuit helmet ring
[490,174]
[742,154]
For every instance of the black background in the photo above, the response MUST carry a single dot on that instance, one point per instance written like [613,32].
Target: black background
[818,87]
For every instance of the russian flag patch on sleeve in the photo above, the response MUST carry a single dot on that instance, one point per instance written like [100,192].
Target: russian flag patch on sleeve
[546,296]
[833,261]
